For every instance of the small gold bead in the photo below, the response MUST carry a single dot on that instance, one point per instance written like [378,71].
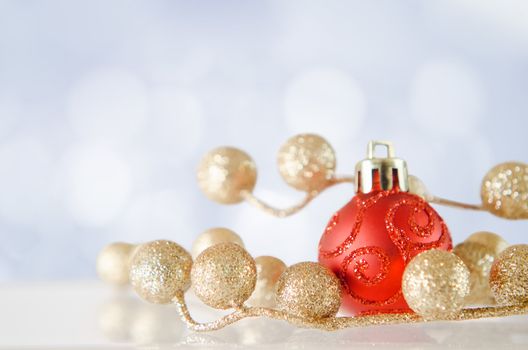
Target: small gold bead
[159,270]
[269,270]
[308,289]
[214,236]
[417,187]
[224,173]
[435,284]
[509,276]
[489,239]
[504,190]
[224,276]
[113,263]
[306,162]
[478,259]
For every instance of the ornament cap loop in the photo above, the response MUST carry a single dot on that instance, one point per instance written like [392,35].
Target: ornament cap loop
[386,173]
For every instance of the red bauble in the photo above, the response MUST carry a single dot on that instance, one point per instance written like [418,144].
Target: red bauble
[369,241]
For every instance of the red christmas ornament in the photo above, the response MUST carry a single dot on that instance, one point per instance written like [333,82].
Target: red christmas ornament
[368,242]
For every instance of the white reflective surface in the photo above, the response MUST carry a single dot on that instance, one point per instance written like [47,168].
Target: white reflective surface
[90,315]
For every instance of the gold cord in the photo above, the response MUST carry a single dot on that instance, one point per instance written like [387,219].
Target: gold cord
[260,204]
[336,323]
[455,204]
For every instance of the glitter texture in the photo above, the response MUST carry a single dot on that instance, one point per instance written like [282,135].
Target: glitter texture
[478,259]
[269,270]
[310,290]
[224,276]
[509,275]
[224,173]
[337,323]
[504,190]
[214,236]
[159,269]
[306,162]
[435,284]
[113,263]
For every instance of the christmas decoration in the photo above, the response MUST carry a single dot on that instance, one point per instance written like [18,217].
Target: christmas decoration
[309,290]
[435,284]
[504,190]
[269,270]
[224,276]
[113,263]
[369,241]
[212,237]
[386,251]
[509,275]
[159,269]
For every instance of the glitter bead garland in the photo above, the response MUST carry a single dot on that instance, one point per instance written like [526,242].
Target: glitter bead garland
[504,190]
[435,284]
[509,275]
[160,269]
[224,276]
[306,162]
[308,289]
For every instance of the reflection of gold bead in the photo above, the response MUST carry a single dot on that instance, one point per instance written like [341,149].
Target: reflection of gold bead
[489,239]
[478,259]
[269,269]
[113,263]
[160,269]
[509,275]
[306,162]
[308,289]
[214,236]
[224,173]
[504,190]
[224,275]
[435,284]
[417,187]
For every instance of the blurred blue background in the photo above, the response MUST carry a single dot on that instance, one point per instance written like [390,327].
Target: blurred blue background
[107,106]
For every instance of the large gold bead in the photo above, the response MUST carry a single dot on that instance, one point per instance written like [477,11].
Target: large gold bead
[214,236]
[224,276]
[224,173]
[509,275]
[478,259]
[504,190]
[435,284]
[113,263]
[308,289]
[490,240]
[306,162]
[159,270]
[269,270]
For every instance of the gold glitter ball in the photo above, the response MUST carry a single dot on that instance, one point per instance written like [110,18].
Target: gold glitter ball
[269,270]
[509,276]
[214,236]
[435,284]
[308,289]
[224,173]
[490,240]
[478,259]
[160,269]
[306,162]
[224,276]
[504,190]
[417,187]
[113,263]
